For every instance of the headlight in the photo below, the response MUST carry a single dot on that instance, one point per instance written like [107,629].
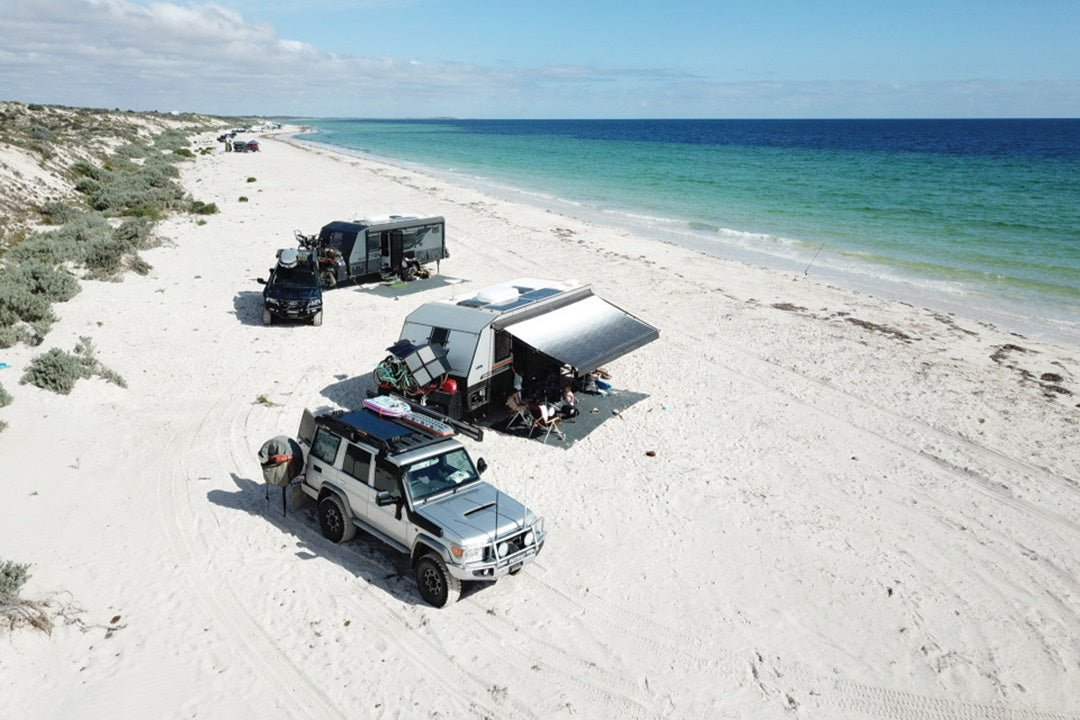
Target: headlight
[315,303]
[470,554]
[272,302]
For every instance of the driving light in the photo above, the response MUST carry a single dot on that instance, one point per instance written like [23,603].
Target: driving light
[503,549]
[529,538]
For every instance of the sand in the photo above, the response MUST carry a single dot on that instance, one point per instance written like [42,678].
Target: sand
[856,508]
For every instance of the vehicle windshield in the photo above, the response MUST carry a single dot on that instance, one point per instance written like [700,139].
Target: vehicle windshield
[297,277]
[434,475]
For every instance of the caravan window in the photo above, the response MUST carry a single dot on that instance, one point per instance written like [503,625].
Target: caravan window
[439,336]
[504,346]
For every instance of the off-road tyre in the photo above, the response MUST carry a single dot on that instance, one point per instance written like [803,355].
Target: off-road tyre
[268,319]
[335,522]
[435,583]
[316,320]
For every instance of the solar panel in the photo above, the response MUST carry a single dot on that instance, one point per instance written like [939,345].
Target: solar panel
[375,426]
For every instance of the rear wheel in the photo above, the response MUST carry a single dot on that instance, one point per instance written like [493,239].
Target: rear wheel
[334,521]
[437,586]
[268,319]
[328,278]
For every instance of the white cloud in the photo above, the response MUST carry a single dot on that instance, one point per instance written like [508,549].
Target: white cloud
[207,58]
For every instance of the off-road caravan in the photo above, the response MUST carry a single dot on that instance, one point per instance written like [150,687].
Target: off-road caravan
[391,246]
[460,355]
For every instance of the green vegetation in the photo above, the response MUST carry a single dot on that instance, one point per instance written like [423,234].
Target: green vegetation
[243,198]
[251,179]
[58,371]
[199,207]
[13,608]
[5,397]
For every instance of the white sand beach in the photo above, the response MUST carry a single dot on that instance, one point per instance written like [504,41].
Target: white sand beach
[855,508]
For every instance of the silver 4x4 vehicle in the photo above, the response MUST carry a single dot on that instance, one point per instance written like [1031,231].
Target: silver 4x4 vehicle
[409,482]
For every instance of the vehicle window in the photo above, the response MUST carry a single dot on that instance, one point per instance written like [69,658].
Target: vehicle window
[357,463]
[433,475]
[301,276]
[325,446]
[385,479]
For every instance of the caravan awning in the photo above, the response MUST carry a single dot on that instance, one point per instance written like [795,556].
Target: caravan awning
[584,334]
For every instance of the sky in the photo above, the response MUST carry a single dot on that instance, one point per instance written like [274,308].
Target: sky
[550,59]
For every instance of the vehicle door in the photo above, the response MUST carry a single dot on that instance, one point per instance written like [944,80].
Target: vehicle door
[392,520]
[323,459]
[356,467]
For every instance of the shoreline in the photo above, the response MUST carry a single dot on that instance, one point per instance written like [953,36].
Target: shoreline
[819,502]
[1042,319]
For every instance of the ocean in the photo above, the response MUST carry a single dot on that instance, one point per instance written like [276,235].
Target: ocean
[980,217]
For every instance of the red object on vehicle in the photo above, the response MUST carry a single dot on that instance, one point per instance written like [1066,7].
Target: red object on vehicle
[450,386]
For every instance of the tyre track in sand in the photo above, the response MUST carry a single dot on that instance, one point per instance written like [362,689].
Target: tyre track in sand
[371,603]
[250,642]
[782,681]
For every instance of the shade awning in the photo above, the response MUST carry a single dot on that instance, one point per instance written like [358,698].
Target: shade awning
[584,334]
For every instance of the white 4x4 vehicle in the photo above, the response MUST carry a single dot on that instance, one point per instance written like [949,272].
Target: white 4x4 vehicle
[399,474]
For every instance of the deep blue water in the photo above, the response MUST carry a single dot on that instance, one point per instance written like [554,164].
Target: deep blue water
[987,210]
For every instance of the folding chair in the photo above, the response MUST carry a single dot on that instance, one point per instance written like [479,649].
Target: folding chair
[521,412]
[548,421]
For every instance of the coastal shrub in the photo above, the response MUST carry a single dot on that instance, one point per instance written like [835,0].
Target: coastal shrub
[251,179]
[201,208]
[51,283]
[5,397]
[171,140]
[13,608]
[8,336]
[12,578]
[58,371]
[65,243]
[55,370]
[184,153]
[17,304]
[58,213]
[243,198]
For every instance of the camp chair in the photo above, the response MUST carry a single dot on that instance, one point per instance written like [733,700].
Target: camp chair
[521,413]
[547,421]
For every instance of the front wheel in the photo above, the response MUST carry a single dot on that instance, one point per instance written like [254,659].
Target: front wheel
[437,586]
[268,319]
[335,522]
[317,319]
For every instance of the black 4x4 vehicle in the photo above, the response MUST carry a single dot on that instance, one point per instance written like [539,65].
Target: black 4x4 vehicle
[293,291]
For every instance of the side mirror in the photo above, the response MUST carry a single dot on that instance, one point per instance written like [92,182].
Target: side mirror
[261,281]
[481,465]
[384,498]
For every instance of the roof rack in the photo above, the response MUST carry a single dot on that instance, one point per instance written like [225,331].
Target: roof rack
[390,435]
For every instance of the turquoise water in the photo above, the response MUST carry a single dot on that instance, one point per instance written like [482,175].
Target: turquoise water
[976,212]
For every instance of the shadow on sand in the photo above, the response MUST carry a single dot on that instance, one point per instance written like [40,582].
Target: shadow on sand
[367,558]
[400,289]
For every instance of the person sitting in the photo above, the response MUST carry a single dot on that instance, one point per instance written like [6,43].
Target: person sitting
[568,403]
[520,408]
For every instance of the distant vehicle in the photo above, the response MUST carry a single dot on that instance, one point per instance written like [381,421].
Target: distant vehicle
[459,355]
[395,246]
[293,292]
[396,471]
[245,146]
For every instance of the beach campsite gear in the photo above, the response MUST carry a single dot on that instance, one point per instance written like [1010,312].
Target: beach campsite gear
[282,461]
